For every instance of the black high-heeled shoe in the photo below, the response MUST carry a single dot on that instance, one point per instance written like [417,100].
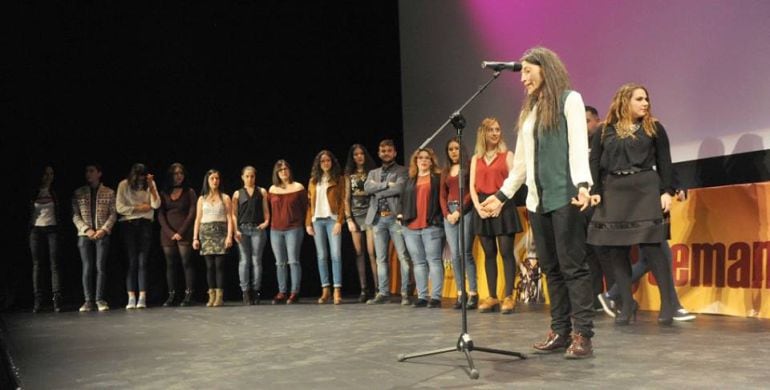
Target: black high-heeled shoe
[623,319]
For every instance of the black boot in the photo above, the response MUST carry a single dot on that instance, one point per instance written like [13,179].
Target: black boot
[246,298]
[36,305]
[187,300]
[364,295]
[56,302]
[170,300]
[255,297]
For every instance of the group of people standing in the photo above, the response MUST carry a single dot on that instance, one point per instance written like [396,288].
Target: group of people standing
[626,178]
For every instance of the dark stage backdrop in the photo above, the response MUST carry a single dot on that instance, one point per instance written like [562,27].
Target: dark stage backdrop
[215,85]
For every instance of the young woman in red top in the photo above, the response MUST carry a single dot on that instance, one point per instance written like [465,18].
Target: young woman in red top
[489,168]
[451,207]
[288,205]
[424,235]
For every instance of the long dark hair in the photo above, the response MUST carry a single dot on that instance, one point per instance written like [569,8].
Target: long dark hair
[169,185]
[350,163]
[134,173]
[548,98]
[205,189]
[463,157]
[37,181]
[316,172]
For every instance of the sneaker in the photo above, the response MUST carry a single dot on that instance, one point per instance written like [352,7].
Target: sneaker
[420,303]
[131,303]
[378,299]
[607,304]
[141,304]
[87,306]
[683,315]
[405,301]
[102,305]
[434,304]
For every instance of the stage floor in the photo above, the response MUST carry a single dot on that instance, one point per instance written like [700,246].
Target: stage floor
[355,346]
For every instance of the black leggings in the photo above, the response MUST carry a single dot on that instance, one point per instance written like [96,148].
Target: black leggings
[215,270]
[505,242]
[173,255]
[659,266]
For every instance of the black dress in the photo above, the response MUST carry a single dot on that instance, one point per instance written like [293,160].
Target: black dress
[633,172]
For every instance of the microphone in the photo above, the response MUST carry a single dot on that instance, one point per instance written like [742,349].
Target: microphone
[498,66]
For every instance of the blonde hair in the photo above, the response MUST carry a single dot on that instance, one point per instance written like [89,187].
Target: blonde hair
[619,114]
[481,138]
[434,169]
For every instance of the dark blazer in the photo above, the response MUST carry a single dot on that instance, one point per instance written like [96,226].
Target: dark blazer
[409,202]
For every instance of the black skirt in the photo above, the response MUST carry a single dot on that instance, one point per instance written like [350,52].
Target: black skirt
[505,223]
[629,213]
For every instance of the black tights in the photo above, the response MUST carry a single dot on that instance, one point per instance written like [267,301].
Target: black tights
[173,255]
[660,267]
[505,242]
[215,270]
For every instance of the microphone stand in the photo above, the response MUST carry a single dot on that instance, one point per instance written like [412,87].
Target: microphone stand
[464,342]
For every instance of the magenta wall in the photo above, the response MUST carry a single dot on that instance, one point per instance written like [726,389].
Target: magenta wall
[705,62]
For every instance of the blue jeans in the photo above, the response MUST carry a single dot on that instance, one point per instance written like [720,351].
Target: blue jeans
[44,241]
[286,245]
[452,232]
[137,235]
[251,247]
[425,246]
[94,251]
[385,229]
[323,232]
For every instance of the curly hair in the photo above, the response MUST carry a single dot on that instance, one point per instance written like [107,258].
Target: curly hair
[435,167]
[619,114]
[316,173]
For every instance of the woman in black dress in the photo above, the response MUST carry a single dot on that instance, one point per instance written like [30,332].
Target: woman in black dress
[632,162]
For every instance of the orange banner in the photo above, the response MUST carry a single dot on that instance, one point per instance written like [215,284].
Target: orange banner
[721,252]
[720,240]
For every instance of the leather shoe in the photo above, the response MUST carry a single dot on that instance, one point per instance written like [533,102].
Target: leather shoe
[552,342]
[420,303]
[580,348]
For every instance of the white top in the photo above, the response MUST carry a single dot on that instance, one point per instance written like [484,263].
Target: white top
[45,214]
[524,156]
[321,208]
[127,198]
[213,212]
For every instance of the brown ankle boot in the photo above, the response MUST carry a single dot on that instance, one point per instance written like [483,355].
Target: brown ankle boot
[326,294]
[489,304]
[219,295]
[337,295]
[212,297]
[508,305]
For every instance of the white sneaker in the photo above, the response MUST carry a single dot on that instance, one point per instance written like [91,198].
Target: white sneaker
[683,315]
[102,305]
[131,303]
[87,306]
[607,304]
[140,304]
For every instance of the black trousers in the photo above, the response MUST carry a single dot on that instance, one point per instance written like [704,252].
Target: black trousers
[560,238]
